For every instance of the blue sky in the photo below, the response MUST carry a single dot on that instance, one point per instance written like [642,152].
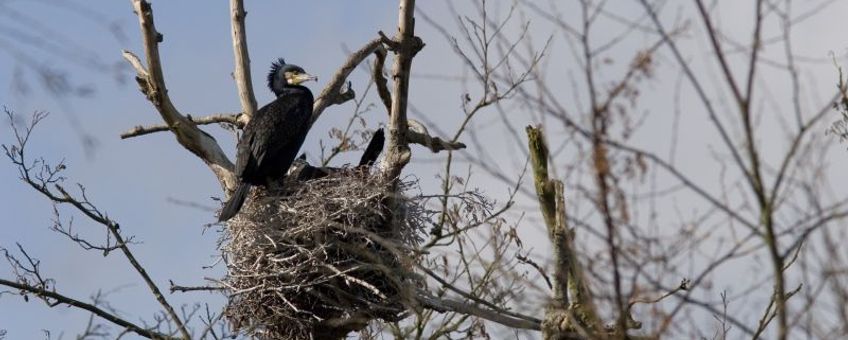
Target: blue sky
[136,180]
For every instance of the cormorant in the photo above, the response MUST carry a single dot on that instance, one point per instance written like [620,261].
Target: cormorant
[272,137]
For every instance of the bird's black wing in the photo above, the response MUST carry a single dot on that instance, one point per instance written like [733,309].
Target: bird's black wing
[272,138]
[288,134]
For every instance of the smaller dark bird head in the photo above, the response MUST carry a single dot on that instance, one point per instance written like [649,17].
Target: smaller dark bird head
[282,75]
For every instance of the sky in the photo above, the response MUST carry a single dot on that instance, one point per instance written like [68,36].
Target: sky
[138,181]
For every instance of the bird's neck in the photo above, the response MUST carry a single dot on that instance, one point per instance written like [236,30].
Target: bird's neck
[292,89]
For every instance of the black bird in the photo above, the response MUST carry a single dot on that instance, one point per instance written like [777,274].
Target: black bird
[274,134]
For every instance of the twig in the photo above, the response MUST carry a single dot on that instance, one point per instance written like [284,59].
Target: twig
[685,284]
[417,132]
[539,269]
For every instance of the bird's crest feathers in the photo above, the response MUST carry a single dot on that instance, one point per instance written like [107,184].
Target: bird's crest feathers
[275,81]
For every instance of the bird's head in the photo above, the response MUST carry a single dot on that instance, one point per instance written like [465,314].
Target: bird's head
[282,75]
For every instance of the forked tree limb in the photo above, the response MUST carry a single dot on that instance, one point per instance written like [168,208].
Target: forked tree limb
[151,82]
[241,74]
[405,45]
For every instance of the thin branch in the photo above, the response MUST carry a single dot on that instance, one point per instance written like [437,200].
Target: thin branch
[685,284]
[719,53]
[539,269]
[184,289]
[228,118]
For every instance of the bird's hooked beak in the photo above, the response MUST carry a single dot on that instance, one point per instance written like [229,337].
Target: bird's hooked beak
[303,77]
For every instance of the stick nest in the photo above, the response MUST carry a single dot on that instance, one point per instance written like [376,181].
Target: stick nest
[321,258]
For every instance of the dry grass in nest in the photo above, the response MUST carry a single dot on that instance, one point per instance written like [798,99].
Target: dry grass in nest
[322,258]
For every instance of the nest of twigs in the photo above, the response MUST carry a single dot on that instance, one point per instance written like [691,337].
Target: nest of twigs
[321,258]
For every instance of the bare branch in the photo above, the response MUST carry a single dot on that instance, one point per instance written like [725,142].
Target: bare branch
[183,289]
[442,305]
[228,118]
[242,59]
[685,284]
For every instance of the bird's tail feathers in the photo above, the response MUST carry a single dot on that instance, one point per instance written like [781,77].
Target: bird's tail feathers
[232,207]
[372,151]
